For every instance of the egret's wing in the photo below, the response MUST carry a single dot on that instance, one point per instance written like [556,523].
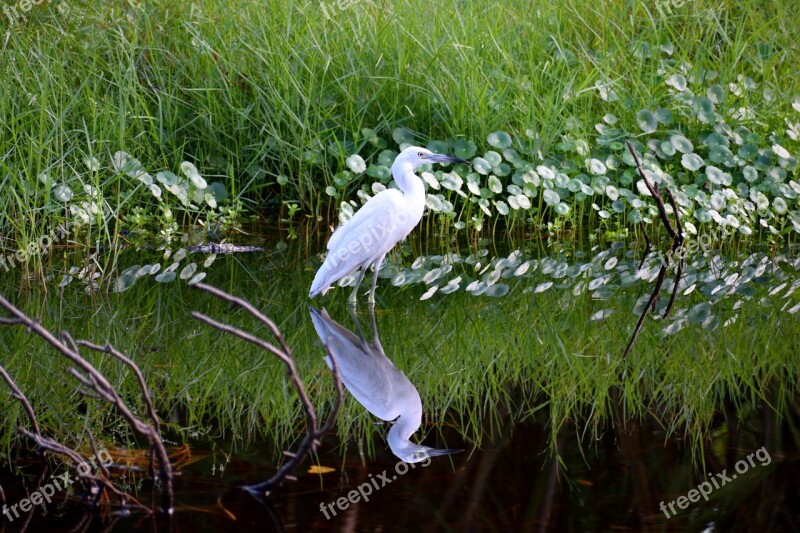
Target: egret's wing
[366,374]
[368,235]
[374,220]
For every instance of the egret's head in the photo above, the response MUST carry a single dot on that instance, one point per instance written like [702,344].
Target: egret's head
[416,156]
[414,453]
[407,450]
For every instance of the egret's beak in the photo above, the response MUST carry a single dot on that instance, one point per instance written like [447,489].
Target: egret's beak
[436,452]
[437,158]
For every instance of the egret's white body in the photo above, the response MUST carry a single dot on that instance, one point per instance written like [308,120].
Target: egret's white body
[377,384]
[386,219]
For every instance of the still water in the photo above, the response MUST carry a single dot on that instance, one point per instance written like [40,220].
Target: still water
[514,358]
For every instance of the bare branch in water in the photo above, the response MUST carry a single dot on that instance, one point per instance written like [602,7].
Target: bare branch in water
[97,385]
[676,235]
[75,458]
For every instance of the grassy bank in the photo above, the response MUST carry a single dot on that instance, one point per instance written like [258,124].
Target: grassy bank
[104,104]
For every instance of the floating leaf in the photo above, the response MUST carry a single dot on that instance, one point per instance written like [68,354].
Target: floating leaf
[498,289]
[452,181]
[356,164]
[430,292]
[380,172]
[465,149]
[188,271]
[190,171]
[699,313]
[678,81]
[62,193]
[561,208]
[664,115]
[126,280]
[596,166]
[647,121]
[167,178]
[717,176]
[494,185]
[691,161]
[166,277]
[750,173]
[716,93]
[124,162]
[481,166]
[551,197]
[499,139]
[704,109]
[602,314]
[681,143]
[543,287]
[780,151]
[402,136]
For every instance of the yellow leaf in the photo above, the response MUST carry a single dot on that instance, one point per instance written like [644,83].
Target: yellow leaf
[316,469]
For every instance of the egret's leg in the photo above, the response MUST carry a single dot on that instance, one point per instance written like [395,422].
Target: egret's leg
[376,341]
[354,295]
[377,267]
[364,345]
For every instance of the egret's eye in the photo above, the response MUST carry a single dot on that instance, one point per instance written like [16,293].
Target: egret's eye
[420,154]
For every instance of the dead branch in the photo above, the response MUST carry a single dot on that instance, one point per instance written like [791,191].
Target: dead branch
[99,386]
[676,236]
[314,432]
[647,245]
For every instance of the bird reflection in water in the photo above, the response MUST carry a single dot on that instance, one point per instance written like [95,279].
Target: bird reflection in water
[376,383]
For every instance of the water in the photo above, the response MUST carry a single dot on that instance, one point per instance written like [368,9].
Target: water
[559,431]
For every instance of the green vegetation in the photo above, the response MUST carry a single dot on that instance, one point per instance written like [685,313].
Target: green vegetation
[475,360]
[271,102]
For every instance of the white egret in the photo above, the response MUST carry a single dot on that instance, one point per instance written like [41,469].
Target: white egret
[377,384]
[386,219]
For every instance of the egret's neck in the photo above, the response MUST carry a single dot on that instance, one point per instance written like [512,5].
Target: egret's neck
[409,183]
[399,436]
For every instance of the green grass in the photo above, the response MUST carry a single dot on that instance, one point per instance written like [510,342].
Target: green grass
[253,91]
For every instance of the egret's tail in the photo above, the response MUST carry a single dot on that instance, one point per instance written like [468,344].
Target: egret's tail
[327,274]
[335,268]
[320,282]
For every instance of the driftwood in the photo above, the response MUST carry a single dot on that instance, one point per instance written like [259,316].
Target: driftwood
[314,432]
[675,233]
